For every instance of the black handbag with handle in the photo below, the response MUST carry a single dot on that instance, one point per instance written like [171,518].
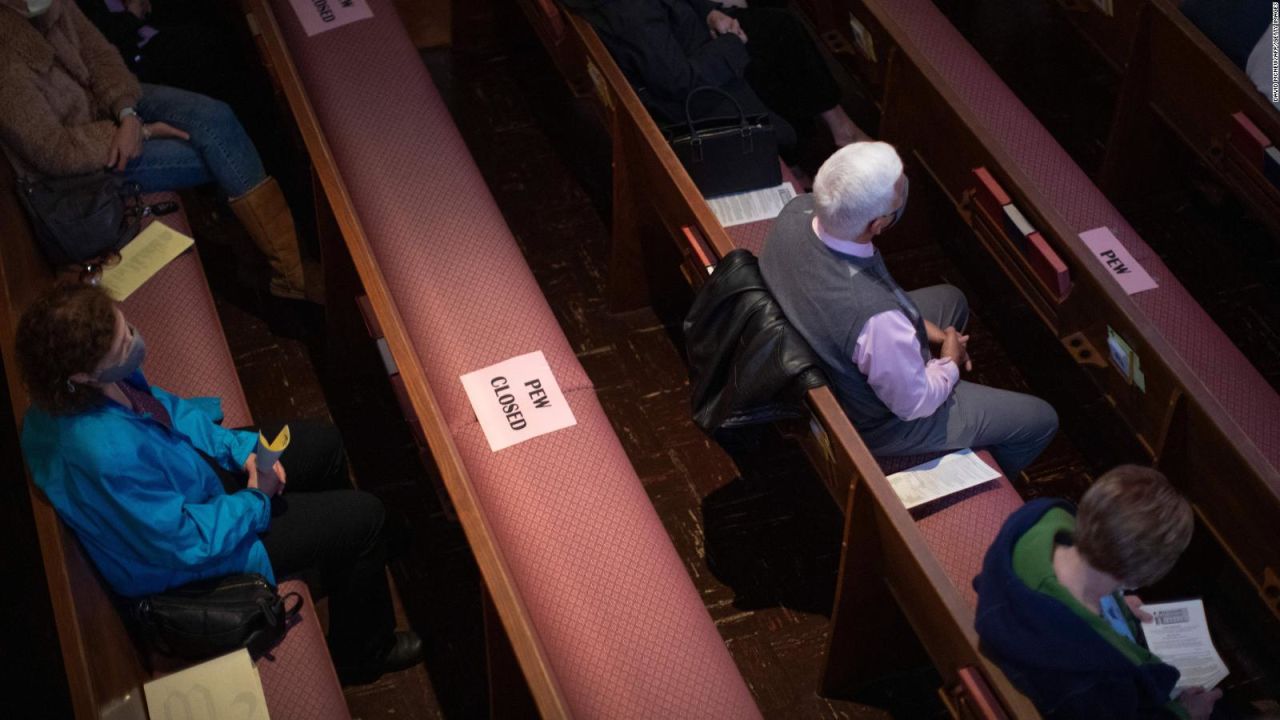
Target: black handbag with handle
[79,218]
[727,154]
[214,617]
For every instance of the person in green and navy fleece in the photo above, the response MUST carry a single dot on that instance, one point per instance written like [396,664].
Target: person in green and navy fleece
[1051,609]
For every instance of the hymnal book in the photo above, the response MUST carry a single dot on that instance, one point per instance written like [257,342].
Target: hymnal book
[990,196]
[1249,140]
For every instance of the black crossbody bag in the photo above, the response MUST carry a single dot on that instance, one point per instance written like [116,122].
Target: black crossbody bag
[214,617]
[82,217]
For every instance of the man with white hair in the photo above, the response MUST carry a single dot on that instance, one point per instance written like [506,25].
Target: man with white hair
[820,263]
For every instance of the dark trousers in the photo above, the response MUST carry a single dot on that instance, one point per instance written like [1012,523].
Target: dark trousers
[333,536]
[786,70]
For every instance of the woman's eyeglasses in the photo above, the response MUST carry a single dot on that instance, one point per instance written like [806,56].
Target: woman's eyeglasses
[91,270]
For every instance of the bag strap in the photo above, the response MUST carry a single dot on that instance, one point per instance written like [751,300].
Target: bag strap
[688,108]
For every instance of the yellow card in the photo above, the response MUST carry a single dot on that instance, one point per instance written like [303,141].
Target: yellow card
[142,258]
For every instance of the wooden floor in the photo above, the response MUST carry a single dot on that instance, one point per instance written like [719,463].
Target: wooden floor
[759,535]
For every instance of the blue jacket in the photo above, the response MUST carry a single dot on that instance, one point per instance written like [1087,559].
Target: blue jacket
[148,509]
[1049,652]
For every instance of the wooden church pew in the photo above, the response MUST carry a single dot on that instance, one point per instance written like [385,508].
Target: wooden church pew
[893,580]
[1202,411]
[189,356]
[599,613]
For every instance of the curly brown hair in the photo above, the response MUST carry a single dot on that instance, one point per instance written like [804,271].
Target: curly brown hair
[67,331]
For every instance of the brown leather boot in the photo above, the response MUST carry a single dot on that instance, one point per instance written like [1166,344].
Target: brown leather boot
[265,215]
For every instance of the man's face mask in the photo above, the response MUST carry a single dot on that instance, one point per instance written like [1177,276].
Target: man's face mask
[131,362]
[36,8]
[897,214]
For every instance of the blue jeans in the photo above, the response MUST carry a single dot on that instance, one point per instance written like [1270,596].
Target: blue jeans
[219,150]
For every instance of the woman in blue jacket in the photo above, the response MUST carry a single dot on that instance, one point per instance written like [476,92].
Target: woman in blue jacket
[160,494]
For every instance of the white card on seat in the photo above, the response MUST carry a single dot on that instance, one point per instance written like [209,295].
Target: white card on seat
[220,689]
[517,400]
[940,477]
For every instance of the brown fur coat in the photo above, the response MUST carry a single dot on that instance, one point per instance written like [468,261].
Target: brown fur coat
[62,86]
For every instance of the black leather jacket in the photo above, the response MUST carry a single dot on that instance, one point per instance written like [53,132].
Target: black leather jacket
[747,364]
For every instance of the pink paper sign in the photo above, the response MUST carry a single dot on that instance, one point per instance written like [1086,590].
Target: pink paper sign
[516,400]
[319,16]
[1119,263]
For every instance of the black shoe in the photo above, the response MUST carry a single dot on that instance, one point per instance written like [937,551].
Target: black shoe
[406,651]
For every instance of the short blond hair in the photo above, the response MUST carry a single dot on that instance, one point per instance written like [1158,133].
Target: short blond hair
[1133,525]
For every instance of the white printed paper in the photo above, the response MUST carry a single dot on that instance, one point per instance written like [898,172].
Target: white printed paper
[940,477]
[753,206]
[1106,247]
[1179,635]
[517,400]
[224,688]
[319,16]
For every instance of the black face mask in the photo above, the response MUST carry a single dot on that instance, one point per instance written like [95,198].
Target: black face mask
[897,214]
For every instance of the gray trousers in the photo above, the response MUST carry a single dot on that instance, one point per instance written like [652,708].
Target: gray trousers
[1015,427]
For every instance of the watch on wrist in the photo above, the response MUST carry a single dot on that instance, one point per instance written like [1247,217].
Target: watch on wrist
[126,112]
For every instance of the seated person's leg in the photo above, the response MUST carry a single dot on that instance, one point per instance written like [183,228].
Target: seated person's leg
[215,132]
[943,305]
[339,536]
[789,73]
[167,164]
[231,159]
[1016,427]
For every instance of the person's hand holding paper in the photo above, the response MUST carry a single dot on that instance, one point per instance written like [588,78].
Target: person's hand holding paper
[263,465]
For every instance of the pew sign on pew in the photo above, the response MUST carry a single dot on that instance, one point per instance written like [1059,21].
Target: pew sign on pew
[517,400]
[319,16]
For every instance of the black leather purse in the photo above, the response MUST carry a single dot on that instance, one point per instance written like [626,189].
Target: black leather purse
[727,154]
[82,217]
[214,617]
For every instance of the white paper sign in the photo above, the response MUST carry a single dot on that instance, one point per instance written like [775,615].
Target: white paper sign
[224,688]
[1107,248]
[516,400]
[1178,634]
[319,16]
[751,206]
[941,477]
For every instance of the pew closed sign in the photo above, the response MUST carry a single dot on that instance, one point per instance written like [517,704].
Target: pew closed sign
[517,400]
[318,16]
